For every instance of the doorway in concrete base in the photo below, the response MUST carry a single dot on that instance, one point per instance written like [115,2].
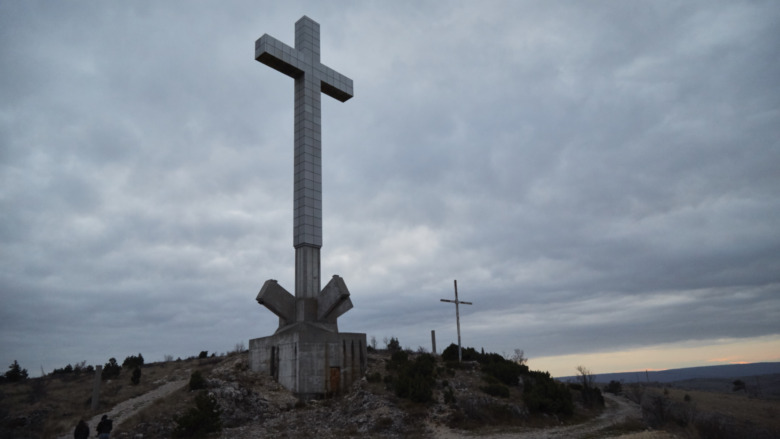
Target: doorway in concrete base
[335,379]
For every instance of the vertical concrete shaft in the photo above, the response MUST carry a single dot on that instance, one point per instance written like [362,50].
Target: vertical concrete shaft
[307,272]
[302,63]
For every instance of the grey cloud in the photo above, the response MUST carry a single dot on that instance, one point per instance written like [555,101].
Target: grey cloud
[596,176]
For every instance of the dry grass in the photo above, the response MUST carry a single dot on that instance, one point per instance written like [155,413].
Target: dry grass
[54,404]
[736,405]
[166,409]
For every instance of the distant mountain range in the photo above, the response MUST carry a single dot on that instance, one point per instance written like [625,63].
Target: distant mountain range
[727,371]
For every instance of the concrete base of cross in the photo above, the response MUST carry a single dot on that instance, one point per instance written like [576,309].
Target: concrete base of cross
[307,354]
[309,360]
[324,310]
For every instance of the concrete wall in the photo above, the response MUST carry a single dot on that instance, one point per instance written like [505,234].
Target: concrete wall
[309,361]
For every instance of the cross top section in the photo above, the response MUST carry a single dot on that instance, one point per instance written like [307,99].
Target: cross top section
[302,63]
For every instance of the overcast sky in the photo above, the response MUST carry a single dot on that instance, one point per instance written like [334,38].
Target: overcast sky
[602,178]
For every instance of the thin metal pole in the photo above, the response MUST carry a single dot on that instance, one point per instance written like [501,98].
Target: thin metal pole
[457,320]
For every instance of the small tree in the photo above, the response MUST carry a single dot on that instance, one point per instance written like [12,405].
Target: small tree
[519,357]
[133,361]
[586,377]
[393,345]
[111,369]
[136,378]
[203,354]
[591,395]
[738,385]
[15,373]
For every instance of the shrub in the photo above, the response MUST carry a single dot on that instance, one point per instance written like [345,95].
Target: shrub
[111,369]
[393,345]
[614,387]
[449,396]
[450,353]
[203,354]
[413,387]
[592,397]
[133,361]
[543,394]
[505,371]
[399,357]
[136,378]
[63,371]
[375,377]
[197,381]
[496,390]
[200,420]
[415,379]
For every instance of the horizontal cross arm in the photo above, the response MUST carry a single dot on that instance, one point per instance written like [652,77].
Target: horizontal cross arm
[334,84]
[279,56]
[456,301]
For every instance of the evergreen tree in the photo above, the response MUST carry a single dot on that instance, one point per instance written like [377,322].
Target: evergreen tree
[111,369]
[136,378]
[15,373]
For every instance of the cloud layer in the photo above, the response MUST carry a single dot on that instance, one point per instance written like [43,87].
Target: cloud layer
[597,176]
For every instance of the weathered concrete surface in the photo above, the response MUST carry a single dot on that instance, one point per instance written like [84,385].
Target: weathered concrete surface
[310,360]
[307,354]
[278,301]
[333,300]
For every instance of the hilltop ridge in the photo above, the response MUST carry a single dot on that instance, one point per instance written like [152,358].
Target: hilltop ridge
[724,371]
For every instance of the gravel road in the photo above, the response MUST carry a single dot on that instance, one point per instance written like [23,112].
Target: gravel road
[617,411]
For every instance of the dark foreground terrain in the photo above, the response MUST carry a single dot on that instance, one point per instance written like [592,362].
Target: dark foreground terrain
[403,395]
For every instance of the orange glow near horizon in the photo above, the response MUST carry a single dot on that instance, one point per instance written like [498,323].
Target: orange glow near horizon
[667,356]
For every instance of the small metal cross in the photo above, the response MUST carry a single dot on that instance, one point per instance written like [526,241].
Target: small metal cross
[457,316]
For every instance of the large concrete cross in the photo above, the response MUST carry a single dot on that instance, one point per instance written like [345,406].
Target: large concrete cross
[302,63]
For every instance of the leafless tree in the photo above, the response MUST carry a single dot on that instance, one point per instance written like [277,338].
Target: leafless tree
[586,377]
[519,357]
[239,347]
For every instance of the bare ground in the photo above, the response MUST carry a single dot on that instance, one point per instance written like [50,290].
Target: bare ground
[126,409]
[618,411]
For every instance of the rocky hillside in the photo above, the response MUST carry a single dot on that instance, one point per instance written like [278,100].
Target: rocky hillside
[403,395]
[253,405]
[460,398]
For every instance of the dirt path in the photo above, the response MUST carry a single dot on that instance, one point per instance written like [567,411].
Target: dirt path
[618,410]
[126,409]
